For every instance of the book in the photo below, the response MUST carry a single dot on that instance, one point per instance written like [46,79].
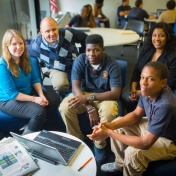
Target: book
[15,159]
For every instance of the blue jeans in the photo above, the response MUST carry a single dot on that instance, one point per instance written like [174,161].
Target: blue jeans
[30,110]
[106,24]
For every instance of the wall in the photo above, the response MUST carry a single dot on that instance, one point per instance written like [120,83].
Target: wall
[110,7]
[9,13]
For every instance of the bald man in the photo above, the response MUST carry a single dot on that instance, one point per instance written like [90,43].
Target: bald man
[56,48]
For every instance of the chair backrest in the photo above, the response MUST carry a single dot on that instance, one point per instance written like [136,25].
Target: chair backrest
[123,70]
[135,25]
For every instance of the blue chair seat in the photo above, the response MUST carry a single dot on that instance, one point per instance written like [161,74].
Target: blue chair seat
[10,123]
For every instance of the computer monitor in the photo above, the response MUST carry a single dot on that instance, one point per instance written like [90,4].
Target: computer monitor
[159,11]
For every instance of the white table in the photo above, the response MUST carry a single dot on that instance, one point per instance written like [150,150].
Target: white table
[81,156]
[150,21]
[113,37]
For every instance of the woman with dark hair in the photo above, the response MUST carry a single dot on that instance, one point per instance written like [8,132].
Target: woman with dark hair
[160,45]
[169,16]
[85,19]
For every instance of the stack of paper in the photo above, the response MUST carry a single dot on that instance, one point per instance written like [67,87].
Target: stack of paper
[14,159]
[126,32]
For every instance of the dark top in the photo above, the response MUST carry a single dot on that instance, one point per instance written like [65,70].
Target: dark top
[77,21]
[108,74]
[167,57]
[122,8]
[138,14]
[161,114]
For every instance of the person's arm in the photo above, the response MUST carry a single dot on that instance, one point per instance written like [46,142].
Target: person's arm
[79,37]
[143,143]
[134,117]
[171,64]
[94,10]
[160,18]
[71,22]
[34,47]
[123,13]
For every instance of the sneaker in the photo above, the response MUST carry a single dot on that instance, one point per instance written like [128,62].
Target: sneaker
[100,155]
[110,167]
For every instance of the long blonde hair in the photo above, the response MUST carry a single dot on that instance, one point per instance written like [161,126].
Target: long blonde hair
[24,62]
[90,15]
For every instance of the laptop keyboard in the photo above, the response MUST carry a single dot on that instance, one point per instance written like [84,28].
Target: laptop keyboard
[66,152]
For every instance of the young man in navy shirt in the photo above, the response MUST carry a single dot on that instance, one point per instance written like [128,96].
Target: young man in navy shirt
[137,140]
[96,86]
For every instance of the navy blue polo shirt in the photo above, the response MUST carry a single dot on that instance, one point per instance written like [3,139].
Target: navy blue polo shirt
[108,74]
[161,114]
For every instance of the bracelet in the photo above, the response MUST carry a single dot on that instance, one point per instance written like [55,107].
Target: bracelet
[89,111]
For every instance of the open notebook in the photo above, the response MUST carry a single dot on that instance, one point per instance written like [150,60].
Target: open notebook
[50,147]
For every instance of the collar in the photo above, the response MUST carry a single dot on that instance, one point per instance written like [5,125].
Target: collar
[54,45]
[104,61]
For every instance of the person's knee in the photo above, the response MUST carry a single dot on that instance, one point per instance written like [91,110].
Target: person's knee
[108,110]
[63,108]
[133,159]
[41,115]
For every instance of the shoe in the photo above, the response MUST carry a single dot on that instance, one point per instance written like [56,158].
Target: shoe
[100,155]
[110,167]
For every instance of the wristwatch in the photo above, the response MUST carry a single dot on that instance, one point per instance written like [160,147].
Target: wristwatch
[91,98]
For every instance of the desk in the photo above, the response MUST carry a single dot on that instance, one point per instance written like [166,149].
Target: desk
[81,156]
[113,37]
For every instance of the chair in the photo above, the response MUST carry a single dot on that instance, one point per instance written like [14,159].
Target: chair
[138,27]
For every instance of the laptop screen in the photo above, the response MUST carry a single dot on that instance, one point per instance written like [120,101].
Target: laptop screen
[159,11]
[44,150]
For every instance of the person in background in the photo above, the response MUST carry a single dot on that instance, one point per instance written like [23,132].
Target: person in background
[56,48]
[136,140]
[160,45]
[169,16]
[122,12]
[85,19]
[98,14]
[138,13]
[21,93]
[96,86]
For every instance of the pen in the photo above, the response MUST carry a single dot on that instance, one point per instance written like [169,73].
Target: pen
[85,164]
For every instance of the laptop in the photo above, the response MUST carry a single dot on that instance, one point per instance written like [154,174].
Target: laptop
[159,11]
[50,147]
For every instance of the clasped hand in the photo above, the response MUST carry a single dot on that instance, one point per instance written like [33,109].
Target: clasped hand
[134,96]
[41,101]
[100,132]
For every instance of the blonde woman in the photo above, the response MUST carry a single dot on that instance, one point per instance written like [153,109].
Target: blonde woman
[21,93]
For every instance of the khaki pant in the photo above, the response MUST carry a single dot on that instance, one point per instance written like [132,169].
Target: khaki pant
[60,81]
[135,161]
[107,111]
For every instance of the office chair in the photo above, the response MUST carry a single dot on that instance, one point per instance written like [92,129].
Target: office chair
[138,27]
